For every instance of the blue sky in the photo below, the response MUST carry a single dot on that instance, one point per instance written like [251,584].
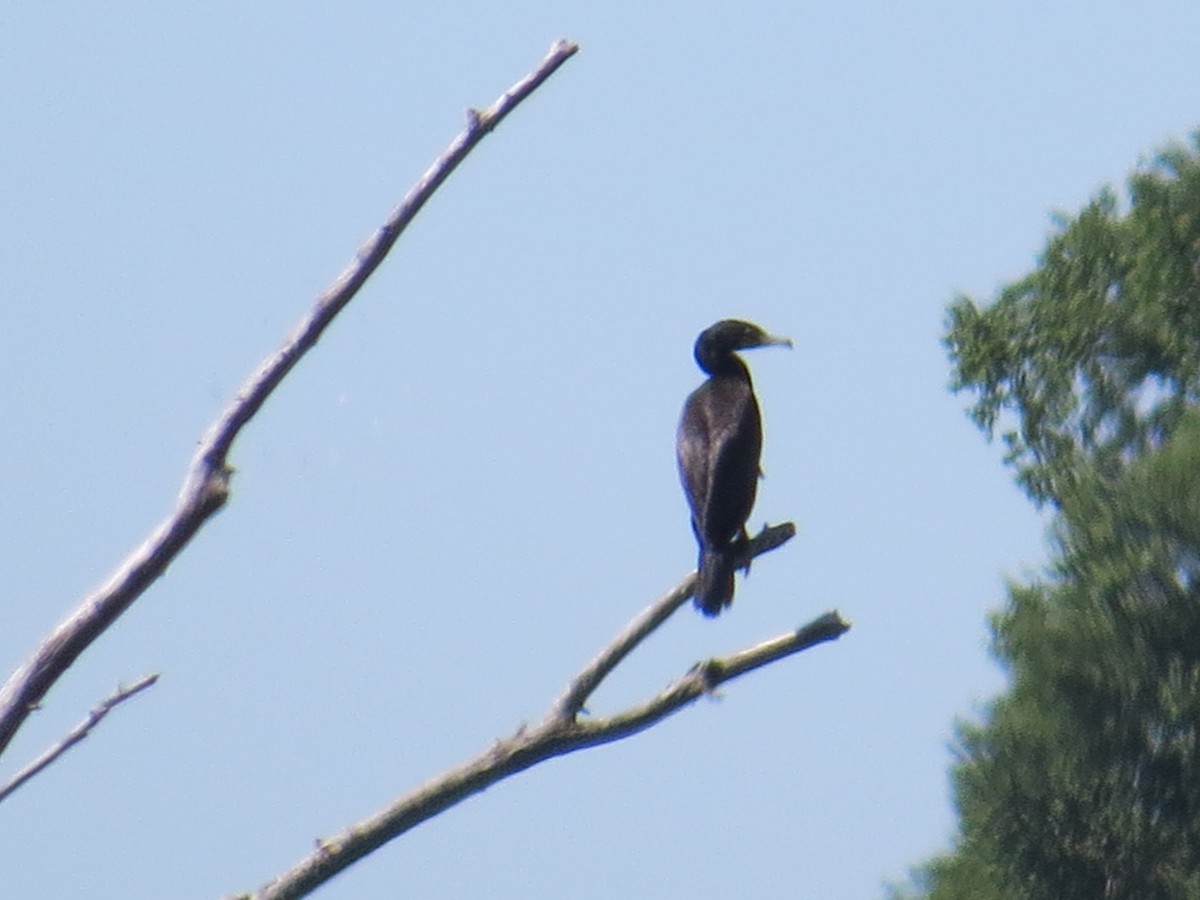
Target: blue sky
[470,485]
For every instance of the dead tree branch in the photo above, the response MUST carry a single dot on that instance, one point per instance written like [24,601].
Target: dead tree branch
[559,733]
[585,683]
[76,734]
[206,486]
[206,490]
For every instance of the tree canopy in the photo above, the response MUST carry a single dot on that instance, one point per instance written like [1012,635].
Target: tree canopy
[1096,353]
[1081,780]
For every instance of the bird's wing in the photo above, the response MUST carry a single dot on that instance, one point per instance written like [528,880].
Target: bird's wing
[733,468]
[693,454]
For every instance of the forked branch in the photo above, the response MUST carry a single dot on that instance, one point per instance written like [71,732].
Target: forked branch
[560,732]
[585,683]
[206,490]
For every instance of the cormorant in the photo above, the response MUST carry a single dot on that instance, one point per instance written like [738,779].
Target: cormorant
[717,447]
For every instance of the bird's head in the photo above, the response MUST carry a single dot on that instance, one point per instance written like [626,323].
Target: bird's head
[728,336]
[740,335]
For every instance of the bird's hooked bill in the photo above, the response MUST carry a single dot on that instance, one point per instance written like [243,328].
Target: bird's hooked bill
[770,340]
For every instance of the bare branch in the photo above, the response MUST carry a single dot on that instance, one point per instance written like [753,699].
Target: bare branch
[77,734]
[704,678]
[584,684]
[824,628]
[206,485]
[553,736]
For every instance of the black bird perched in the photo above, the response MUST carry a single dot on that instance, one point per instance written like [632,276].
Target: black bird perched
[717,447]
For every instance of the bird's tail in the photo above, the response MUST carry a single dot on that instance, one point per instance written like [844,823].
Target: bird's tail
[714,583]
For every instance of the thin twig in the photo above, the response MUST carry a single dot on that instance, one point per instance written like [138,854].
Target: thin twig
[206,485]
[553,736]
[77,734]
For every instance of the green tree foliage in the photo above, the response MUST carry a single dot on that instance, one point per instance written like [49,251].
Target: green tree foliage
[1084,779]
[1096,353]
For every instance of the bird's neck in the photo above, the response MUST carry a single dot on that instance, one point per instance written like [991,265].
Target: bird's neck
[723,364]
